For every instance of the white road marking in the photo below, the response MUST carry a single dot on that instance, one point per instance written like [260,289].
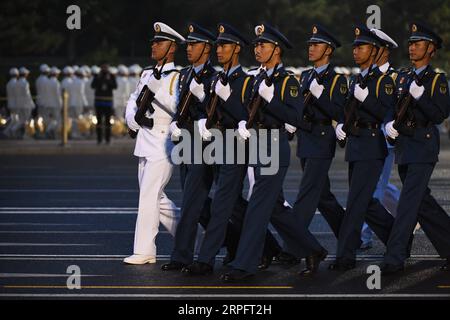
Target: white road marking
[46,275]
[211,295]
[16,244]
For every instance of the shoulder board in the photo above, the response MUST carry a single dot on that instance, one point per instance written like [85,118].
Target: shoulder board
[170,71]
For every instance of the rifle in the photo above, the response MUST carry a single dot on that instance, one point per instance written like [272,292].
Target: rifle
[256,100]
[402,108]
[214,99]
[187,98]
[306,125]
[352,105]
[144,103]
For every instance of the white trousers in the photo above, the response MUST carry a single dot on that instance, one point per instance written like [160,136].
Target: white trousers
[154,205]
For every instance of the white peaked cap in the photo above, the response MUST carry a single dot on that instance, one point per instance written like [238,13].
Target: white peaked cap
[95,69]
[44,68]
[68,70]
[54,70]
[24,70]
[163,31]
[380,34]
[13,72]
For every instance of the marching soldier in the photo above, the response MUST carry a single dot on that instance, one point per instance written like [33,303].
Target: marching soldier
[326,91]
[41,88]
[11,90]
[416,151]
[282,104]
[199,48]
[196,179]
[370,99]
[122,92]
[77,100]
[230,86]
[385,192]
[54,102]
[24,101]
[11,94]
[153,145]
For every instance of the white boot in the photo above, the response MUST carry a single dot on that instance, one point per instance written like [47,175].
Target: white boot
[139,259]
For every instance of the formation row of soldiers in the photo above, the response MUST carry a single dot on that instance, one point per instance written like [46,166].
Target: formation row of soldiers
[408,104]
[77,82]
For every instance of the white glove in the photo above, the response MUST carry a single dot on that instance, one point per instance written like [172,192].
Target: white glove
[316,89]
[197,90]
[242,130]
[361,94]
[132,124]
[390,130]
[174,130]
[415,90]
[266,92]
[222,91]
[204,133]
[340,134]
[154,84]
[289,128]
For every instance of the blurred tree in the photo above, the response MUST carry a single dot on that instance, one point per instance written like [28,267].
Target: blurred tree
[121,30]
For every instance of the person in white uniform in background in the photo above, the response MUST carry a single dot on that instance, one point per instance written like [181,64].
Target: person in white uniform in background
[77,101]
[133,76]
[11,95]
[153,145]
[122,92]
[41,87]
[24,101]
[54,106]
[90,93]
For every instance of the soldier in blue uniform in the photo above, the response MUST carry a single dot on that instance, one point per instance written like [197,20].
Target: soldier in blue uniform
[196,178]
[386,192]
[416,151]
[326,92]
[231,88]
[282,104]
[371,96]
[200,43]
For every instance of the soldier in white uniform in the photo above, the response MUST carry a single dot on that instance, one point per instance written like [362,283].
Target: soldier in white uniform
[41,87]
[77,101]
[121,94]
[54,106]
[11,95]
[89,92]
[24,101]
[134,75]
[11,90]
[153,145]
[68,78]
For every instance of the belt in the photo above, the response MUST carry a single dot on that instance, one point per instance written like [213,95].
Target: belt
[324,122]
[368,125]
[262,126]
[418,124]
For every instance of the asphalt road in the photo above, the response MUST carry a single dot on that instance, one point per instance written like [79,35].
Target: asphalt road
[59,209]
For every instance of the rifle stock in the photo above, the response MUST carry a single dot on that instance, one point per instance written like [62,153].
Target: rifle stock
[257,100]
[403,108]
[144,103]
[352,105]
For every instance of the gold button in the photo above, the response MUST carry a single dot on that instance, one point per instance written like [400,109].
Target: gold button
[428,136]
[322,133]
[373,134]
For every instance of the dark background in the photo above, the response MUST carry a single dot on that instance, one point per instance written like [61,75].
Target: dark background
[34,32]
